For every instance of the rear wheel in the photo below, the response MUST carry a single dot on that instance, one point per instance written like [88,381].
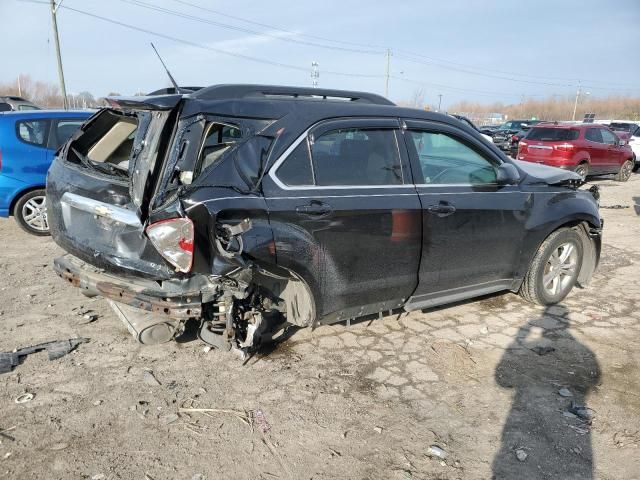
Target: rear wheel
[30,211]
[582,170]
[554,269]
[625,171]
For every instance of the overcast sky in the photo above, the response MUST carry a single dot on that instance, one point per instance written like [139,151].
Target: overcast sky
[462,49]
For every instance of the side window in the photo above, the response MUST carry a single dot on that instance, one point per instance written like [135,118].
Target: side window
[218,139]
[33,131]
[445,160]
[296,169]
[5,107]
[63,131]
[27,107]
[356,156]
[636,133]
[593,135]
[609,137]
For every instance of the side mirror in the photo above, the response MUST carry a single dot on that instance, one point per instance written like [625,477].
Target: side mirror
[621,142]
[507,174]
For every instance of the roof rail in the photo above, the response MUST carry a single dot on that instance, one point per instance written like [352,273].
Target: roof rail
[222,92]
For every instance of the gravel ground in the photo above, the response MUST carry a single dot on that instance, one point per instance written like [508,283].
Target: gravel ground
[489,382]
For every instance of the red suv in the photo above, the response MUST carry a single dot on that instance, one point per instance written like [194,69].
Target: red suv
[587,149]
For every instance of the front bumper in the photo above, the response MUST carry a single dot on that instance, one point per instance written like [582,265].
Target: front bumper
[175,301]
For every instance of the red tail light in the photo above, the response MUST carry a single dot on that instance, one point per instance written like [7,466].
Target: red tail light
[173,238]
[564,147]
[522,147]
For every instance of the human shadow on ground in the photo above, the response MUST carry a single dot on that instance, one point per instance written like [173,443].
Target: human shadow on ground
[547,435]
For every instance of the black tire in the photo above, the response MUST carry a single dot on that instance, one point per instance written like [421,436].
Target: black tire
[26,206]
[532,288]
[636,164]
[625,171]
[582,170]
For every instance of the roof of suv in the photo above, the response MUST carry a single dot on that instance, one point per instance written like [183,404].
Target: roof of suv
[273,102]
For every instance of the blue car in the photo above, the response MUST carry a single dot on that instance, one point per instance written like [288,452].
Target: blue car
[28,142]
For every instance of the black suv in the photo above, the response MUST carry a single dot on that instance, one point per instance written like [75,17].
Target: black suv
[241,206]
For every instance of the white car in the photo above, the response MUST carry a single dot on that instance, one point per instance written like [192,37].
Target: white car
[634,143]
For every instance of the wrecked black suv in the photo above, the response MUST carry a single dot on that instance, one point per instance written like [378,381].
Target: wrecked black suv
[244,206]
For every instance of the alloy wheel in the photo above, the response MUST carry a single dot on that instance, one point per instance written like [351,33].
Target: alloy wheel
[582,171]
[627,168]
[560,269]
[34,213]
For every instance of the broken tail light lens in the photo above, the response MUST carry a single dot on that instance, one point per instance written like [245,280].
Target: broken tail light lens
[173,239]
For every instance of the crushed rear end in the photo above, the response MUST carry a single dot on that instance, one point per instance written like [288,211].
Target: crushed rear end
[130,199]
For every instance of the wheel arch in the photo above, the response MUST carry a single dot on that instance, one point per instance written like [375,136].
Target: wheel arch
[590,231]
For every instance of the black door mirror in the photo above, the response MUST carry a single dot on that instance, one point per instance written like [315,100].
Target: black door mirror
[507,174]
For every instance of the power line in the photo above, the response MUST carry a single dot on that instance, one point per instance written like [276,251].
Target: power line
[207,47]
[378,49]
[245,30]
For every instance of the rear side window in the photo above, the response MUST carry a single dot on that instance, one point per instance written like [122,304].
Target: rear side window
[549,134]
[445,160]
[356,156]
[27,107]
[297,169]
[219,138]
[594,135]
[33,132]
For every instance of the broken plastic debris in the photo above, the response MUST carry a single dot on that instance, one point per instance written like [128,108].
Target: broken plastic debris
[565,392]
[56,349]
[521,455]
[436,451]
[24,398]
[149,378]
[581,411]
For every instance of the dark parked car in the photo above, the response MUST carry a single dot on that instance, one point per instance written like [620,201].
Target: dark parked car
[14,104]
[488,129]
[586,148]
[502,136]
[468,122]
[240,206]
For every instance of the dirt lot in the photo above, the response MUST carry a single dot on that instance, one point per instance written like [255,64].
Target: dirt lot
[480,380]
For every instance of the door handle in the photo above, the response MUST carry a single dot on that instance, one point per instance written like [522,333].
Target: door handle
[441,210]
[314,209]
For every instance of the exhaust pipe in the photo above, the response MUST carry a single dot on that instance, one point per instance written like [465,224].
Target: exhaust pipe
[146,327]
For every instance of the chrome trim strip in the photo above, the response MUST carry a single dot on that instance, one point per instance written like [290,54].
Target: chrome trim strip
[102,209]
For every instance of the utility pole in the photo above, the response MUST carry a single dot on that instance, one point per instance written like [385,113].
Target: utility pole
[575,105]
[315,74]
[439,101]
[386,85]
[54,9]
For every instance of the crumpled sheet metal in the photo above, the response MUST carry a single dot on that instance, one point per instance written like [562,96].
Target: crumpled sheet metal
[55,349]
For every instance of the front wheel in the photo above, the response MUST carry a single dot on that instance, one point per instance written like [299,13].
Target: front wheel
[30,211]
[554,269]
[625,171]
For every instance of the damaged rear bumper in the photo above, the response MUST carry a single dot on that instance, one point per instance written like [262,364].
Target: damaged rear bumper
[179,301]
